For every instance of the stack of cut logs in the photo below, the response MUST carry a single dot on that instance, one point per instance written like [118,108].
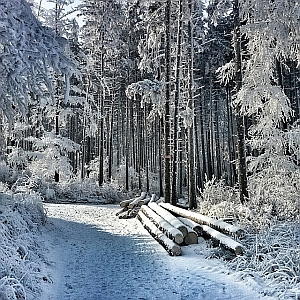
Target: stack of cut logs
[174,227]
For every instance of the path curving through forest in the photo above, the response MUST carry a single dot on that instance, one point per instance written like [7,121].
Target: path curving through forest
[95,256]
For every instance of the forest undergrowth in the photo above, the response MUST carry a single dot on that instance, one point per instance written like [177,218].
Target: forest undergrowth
[272,239]
[21,257]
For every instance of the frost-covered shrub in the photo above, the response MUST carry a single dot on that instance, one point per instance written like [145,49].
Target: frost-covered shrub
[219,200]
[17,158]
[216,191]
[273,255]
[120,177]
[10,173]
[271,219]
[273,196]
[111,192]
[78,190]
[20,217]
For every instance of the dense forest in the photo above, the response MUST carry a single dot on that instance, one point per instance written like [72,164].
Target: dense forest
[168,97]
[195,101]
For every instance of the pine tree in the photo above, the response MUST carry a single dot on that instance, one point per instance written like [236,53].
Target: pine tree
[28,51]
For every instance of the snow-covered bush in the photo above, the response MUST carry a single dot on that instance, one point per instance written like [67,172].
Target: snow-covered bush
[17,158]
[111,192]
[273,255]
[219,200]
[215,191]
[5,172]
[78,190]
[274,196]
[271,219]
[120,177]
[20,274]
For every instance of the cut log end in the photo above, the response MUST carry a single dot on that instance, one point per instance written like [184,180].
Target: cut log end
[191,238]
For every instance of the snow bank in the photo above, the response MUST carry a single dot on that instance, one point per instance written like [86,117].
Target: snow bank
[20,259]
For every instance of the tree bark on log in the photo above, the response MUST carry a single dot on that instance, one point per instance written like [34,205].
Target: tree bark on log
[224,240]
[171,247]
[204,220]
[190,223]
[169,217]
[143,202]
[136,201]
[124,215]
[122,210]
[170,231]
[125,203]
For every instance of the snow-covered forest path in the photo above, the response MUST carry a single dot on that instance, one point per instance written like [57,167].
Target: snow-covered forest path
[96,256]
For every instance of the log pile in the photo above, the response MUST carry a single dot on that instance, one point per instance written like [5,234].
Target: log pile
[130,207]
[174,227]
[220,232]
[169,245]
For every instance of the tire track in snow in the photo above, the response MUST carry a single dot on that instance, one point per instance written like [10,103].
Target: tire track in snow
[96,256]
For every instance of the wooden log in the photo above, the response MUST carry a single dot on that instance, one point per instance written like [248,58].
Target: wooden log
[128,213]
[123,209]
[224,240]
[135,202]
[171,247]
[169,230]
[169,217]
[133,212]
[153,198]
[204,220]
[125,203]
[190,223]
[124,215]
[143,202]
[191,237]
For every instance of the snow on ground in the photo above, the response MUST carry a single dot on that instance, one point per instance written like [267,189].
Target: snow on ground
[93,255]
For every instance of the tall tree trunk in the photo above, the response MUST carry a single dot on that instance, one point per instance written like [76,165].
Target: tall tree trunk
[100,140]
[101,96]
[83,141]
[160,162]
[167,154]
[176,101]
[127,146]
[56,173]
[190,130]
[217,139]
[199,173]
[202,135]
[241,155]
[230,141]
[110,153]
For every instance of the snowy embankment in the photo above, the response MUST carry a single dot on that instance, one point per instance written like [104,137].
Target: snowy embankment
[94,255]
[20,252]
